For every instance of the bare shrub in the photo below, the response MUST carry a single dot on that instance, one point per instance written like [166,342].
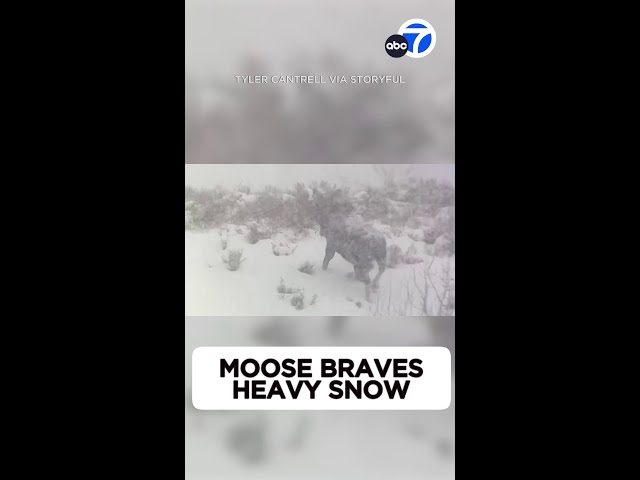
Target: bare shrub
[233,260]
[282,289]
[426,293]
[307,267]
[451,300]
[298,300]
[396,257]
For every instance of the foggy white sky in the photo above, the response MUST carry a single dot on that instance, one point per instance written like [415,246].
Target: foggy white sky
[285,176]
[219,33]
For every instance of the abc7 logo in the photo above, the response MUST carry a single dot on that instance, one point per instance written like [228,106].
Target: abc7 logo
[416,38]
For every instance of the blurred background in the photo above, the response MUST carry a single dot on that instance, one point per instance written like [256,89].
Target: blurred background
[232,123]
[226,122]
[318,444]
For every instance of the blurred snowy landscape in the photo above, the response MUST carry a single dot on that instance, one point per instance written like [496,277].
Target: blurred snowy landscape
[284,123]
[318,444]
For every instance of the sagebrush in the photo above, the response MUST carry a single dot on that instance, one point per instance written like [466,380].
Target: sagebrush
[233,260]
[307,267]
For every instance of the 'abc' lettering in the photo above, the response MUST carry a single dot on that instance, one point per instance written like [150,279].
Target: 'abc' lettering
[396,46]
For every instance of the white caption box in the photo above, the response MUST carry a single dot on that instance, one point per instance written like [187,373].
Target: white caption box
[429,391]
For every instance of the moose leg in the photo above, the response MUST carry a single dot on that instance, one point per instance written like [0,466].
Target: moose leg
[357,273]
[381,268]
[367,285]
[328,255]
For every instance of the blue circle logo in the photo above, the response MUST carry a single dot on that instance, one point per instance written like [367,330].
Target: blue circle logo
[420,36]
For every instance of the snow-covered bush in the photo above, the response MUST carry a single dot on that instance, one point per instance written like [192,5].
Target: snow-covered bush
[411,257]
[445,221]
[233,260]
[307,267]
[374,205]
[445,246]
[395,256]
[282,289]
[253,235]
[429,235]
[415,234]
[188,220]
[414,204]
[415,221]
[272,206]
[212,209]
[190,208]
[298,300]
[281,246]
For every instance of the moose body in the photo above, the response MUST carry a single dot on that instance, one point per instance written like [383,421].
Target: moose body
[359,244]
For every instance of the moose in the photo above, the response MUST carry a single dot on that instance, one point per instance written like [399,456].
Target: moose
[358,243]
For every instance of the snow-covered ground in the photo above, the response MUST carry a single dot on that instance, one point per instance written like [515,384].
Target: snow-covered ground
[212,289]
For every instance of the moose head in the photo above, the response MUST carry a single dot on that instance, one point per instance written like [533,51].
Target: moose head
[329,206]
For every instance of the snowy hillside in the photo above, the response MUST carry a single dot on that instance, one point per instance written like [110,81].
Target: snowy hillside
[261,251]
[423,285]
